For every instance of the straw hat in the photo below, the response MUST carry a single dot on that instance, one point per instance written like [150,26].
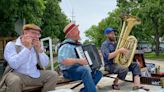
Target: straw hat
[69,28]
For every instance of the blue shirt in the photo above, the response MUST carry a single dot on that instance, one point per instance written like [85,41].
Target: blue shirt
[25,61]
[107,47]
[66,51]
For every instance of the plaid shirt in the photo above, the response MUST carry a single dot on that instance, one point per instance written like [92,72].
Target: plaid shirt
[66,51]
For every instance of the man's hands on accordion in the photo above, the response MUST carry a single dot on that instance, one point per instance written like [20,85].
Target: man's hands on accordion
[83,62]
[71,61]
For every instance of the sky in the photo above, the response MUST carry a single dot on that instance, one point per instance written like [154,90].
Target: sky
[87,12]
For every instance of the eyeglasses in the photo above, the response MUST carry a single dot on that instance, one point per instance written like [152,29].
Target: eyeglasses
[34,32]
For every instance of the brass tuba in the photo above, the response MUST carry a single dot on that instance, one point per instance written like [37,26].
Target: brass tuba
[126,41]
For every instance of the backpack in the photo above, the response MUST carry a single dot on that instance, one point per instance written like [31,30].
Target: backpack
[8,69]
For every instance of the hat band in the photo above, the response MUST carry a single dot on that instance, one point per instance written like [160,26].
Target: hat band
[69,29]
[32,29]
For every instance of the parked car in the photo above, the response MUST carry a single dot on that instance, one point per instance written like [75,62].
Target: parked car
[147,49]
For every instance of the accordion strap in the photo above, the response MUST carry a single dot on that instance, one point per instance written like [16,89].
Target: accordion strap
[71,43]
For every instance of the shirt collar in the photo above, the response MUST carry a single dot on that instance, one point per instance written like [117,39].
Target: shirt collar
[108,41]
[69,40]
[18,42]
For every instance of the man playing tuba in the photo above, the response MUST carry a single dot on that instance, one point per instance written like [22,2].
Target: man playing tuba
[109,53]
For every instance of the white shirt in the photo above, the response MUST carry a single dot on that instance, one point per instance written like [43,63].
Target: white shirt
[25,61]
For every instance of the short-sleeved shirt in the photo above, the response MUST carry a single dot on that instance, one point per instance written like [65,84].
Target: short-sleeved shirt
[66,51]
[107,47]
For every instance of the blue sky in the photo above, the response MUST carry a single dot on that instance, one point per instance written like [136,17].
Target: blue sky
[87,12]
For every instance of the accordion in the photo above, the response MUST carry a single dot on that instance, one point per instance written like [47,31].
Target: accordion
[90,52]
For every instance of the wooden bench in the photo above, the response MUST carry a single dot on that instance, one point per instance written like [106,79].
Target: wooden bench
[27,89]
[61,81]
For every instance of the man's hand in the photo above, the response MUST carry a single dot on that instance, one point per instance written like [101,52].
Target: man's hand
[26,41]
[124,51]
[100,54]
[36,43]
[83,62]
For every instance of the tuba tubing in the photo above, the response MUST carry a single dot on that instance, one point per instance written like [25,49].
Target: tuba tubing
[126,41]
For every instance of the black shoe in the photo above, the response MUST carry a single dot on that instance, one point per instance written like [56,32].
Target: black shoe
[115,87]
[82,90]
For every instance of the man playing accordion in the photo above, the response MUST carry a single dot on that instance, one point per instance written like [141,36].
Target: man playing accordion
[72,67]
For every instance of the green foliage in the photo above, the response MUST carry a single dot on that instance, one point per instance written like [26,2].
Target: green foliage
[7,17]
[31,10]
[150,12]
[45,13]
[96,33]
[53,20]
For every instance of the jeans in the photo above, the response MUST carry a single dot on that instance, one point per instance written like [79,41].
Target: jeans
[122,72]
[90,80]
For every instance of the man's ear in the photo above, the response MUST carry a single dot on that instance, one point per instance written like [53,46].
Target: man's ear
[69,35]
[22,32]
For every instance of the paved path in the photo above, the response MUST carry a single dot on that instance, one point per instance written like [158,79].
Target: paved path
[105,83]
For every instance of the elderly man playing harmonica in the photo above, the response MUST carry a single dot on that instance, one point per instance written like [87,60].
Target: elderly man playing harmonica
[23,55]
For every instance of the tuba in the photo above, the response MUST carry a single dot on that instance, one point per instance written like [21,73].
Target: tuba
[126,41]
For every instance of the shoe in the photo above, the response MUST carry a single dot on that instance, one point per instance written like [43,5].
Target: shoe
[115,87]
[81,90]
[137,87]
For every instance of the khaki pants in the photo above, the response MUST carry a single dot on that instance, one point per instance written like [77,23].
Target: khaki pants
[16,82]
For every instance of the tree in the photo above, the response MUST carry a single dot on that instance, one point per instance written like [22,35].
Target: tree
[45,13]
[54,20]
[12,10]
[7,17]
[96,33]
[150,12]
[153,14]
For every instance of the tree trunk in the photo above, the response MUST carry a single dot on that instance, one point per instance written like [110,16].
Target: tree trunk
[157,43]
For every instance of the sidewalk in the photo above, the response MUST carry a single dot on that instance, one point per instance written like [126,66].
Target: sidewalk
[105,83]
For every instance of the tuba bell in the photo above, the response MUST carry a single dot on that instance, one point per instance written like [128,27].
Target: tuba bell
[126,41]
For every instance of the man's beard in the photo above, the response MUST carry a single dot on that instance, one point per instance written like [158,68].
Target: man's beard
[111,39]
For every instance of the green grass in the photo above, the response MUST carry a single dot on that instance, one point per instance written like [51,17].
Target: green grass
[56,65]
[153,56]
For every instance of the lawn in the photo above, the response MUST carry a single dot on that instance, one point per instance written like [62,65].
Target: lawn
[153,56]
